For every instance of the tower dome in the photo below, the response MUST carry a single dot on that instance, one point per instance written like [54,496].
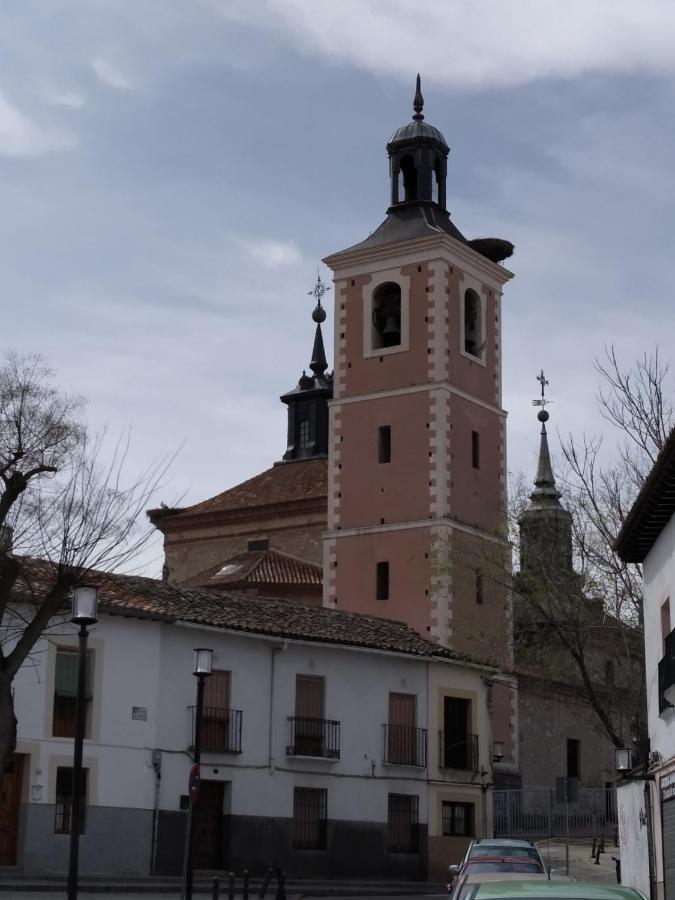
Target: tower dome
[418,157]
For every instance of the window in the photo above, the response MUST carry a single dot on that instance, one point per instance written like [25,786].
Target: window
[475,450]
[573,761]
[405,743]
[65,692]
[409,178]
[478,587]
[402,820]
[387,315]
[383,581]
[309,818]
[308,737]
[457,819]
[64,800]
[304,439]
[215,735]
[474,343]
[384,443]
[259,544]
[459,748]
[665,622]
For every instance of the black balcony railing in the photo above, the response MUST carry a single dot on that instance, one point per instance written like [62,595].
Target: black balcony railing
[221,729]
[458,751]
[314,737]
[405,745]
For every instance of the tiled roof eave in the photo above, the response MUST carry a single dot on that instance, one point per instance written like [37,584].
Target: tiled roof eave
[227,516]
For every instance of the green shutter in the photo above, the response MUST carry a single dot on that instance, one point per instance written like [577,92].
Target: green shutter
[66,674]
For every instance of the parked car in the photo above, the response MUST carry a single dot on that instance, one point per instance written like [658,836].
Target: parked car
[555,889]
[466,884]
[503,846]
[479,865]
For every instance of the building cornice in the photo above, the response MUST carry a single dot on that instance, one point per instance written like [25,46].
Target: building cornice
[442,246]
[418,388]
[448,522]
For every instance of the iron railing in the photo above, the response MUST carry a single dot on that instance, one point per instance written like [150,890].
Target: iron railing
[536,812]
[221,729]
[405,745]
[458,751]
[314,737]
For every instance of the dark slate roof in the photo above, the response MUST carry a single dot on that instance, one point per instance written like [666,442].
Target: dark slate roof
[260,567]
[417,130]
[652,510]
[132,595]
[292,482]
[416,219]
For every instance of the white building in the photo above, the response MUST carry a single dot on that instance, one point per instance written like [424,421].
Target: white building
[332,743]
[647,807]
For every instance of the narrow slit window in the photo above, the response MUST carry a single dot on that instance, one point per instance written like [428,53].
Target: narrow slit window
[479,587]
[475,449]
[384,443]
[383,581]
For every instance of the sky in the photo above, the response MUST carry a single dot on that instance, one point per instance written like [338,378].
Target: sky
[172,172]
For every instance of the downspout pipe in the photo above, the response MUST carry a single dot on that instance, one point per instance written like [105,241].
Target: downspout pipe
[270,724]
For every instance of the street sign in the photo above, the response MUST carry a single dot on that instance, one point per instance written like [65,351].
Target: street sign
[193,783]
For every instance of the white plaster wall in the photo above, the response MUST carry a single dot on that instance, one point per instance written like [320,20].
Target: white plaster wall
[659,584]
[630,800]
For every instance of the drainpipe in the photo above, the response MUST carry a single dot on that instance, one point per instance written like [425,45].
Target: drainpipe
[270,746]
[157,767]
[650,837]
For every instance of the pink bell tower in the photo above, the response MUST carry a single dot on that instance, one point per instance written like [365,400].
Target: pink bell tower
[417,482]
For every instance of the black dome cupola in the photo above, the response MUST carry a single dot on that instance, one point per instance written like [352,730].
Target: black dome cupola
[418,160]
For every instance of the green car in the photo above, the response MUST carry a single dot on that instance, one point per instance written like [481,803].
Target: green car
[552,890]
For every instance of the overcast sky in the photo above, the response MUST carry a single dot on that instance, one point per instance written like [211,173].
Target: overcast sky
[172,172]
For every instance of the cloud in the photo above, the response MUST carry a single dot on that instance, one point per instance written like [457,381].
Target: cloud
[19,136]
[72,99]
[271,254]
[465,43]
[110,75]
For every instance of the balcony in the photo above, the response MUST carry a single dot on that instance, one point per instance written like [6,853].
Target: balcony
[314,737]
[667,674]
[220,731]
[405,745]
[458,751]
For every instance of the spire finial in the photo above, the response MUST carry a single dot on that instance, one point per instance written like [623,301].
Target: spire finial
[319,363]
[418,102]
[542,415]
[545,490]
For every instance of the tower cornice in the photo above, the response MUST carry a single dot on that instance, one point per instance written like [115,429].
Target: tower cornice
[348,263]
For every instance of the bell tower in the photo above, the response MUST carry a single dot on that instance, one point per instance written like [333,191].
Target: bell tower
[416,484]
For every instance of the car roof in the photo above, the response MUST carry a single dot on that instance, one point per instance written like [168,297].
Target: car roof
[501,857]
[565,890]
[505,842]
[480,877]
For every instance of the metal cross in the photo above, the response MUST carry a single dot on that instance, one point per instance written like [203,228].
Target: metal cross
[318,290]
[543,402]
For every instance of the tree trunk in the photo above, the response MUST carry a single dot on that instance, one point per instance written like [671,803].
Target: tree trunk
[7,721]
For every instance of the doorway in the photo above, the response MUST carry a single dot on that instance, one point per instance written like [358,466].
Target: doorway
[209,831]
[10,802]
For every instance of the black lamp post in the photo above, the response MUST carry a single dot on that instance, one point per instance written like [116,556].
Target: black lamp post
[202,669]
[85,600]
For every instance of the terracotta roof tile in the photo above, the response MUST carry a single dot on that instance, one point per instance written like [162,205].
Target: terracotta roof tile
[149,597]
[284,483]
[258,567]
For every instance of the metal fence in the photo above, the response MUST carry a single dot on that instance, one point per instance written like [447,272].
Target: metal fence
[536,813]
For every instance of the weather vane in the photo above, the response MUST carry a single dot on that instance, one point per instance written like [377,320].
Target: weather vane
[543,402]
[318,290]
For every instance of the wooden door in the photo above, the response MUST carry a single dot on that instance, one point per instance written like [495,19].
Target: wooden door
[215,735]
[10,801]
[309,712]
[208,847]
[401,734]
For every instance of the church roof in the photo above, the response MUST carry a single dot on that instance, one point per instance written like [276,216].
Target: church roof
[652,510]
[260,567]
[132,595]
[405,222]
[292,482]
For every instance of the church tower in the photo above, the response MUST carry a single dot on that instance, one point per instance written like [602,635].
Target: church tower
[416,484]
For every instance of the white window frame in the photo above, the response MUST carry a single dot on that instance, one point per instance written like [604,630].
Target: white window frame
[470,284]
[378,279]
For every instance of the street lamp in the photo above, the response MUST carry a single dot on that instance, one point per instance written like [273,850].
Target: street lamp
[497,751]
[622,759]
[203,661]
[85,601]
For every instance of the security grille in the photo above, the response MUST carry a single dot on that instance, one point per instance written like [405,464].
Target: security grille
[402,823]
[309,818]
[64,800]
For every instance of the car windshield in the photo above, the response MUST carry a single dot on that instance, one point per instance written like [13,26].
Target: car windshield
[497,850]
[503,866]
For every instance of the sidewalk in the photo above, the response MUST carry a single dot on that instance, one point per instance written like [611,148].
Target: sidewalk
[582,867]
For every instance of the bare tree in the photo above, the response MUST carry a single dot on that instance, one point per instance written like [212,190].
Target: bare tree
[63,513]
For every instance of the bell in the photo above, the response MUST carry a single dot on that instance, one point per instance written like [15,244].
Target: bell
[391,333]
